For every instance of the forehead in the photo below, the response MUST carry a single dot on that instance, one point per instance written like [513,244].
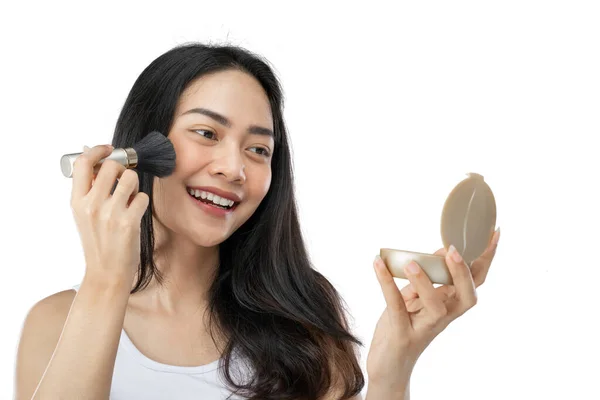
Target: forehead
[233,93]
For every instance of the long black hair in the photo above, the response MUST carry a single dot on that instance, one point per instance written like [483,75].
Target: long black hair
[281,316]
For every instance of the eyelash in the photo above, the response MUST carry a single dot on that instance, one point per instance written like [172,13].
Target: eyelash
[266,153]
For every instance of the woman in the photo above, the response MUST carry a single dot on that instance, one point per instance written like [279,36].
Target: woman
[184,299]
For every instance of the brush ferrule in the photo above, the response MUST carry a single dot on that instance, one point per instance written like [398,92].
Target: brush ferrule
[132,157]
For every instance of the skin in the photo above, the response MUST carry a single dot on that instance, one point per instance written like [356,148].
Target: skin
[166,322]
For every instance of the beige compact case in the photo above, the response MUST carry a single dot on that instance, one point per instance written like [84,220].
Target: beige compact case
[468,223]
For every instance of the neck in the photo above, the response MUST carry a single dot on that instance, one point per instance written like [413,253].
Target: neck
[188,271]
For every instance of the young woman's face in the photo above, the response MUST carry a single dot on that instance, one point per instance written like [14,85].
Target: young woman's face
[222,134]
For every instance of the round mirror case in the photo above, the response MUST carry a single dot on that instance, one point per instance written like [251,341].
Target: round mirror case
[468,222]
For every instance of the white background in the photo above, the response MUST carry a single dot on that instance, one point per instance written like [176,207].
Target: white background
[388,106]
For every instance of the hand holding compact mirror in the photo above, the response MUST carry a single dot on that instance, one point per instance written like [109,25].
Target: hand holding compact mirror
[468,223]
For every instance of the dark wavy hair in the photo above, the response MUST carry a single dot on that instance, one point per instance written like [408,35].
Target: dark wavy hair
[281,316]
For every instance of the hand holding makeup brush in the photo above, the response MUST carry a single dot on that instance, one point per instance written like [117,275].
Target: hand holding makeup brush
[109,225]
[415,315]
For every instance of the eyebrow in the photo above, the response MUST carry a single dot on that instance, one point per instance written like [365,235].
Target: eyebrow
[255,129]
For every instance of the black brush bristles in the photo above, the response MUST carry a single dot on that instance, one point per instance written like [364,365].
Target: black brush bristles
[156,154]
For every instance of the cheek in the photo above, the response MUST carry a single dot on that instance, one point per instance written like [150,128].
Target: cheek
[263,184]
[187,159]
[165,191]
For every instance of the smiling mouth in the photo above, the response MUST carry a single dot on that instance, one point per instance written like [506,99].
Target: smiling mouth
[212,204]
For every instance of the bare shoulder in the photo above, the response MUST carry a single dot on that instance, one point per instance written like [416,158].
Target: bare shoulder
[50,312]
[39,335]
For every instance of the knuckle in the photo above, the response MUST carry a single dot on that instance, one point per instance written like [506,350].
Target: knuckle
[145,201]
[126,224]
[129,173]
[130,177]
[90,210]
[81,161]
[120,189]
[469,303]
[125,189]
[144,197]
[112,165]
[106,216]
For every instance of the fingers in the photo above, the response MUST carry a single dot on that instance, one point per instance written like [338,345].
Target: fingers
[463,282]
[393,297]
[107,176]
[139,204]
[126,189]
[85,183]
[408,292]
[436,309]
[488,254]
[83,169]
[481,266]
[446,291]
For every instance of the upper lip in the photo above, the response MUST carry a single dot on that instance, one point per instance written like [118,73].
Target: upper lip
[221,193]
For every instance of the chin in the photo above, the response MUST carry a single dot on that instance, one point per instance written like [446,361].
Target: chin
[209,238]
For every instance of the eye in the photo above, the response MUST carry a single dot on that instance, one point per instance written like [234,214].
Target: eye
[204,130]
[265,152]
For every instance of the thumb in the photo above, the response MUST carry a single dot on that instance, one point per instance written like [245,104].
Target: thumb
[393,298]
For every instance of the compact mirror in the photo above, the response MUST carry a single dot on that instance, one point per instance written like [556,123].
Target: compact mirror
[468,222]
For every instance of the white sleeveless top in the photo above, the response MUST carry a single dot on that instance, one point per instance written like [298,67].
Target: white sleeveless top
[137,377]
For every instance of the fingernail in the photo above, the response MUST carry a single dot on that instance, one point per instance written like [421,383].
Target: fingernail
[85,149]
[377,261]
[454,254]
[412,268]
[496,236]
[110,147]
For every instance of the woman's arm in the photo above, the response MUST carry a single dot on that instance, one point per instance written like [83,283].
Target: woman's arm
[82,359]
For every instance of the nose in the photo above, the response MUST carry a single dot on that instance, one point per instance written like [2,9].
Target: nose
[229,164]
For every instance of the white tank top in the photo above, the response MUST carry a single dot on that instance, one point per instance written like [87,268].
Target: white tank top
[137,377]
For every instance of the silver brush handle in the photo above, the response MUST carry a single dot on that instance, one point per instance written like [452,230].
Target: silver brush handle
[126,157]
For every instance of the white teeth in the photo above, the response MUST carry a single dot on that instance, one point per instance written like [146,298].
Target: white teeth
[222,201]
[199,194]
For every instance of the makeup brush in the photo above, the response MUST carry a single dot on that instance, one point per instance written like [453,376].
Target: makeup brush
[153,154]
